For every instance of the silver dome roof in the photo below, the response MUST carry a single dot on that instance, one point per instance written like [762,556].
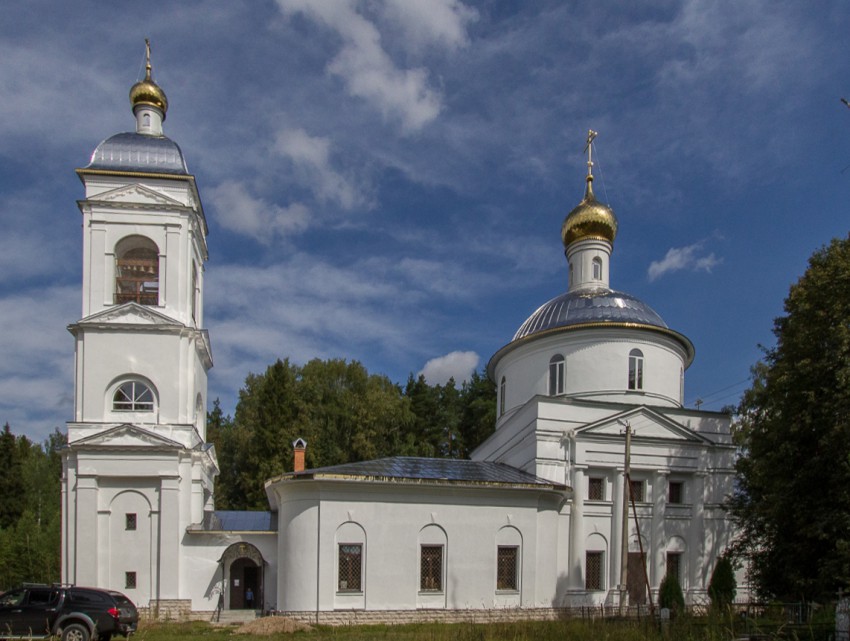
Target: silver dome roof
[589,306]
[139,153]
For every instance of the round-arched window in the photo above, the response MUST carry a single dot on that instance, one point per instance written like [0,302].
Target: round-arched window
[133,396]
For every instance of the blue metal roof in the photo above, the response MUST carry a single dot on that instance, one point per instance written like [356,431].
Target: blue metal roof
[589,306]
[238,521]
[139,153]
[432,469]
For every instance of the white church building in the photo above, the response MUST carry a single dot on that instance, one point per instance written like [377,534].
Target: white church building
[534,523]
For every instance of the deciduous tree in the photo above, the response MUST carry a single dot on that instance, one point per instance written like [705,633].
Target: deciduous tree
[793,428]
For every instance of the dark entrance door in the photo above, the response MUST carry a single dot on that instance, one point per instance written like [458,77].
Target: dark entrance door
[245,582]
[637,578]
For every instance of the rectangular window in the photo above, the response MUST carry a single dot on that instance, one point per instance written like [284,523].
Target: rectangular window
[636,370]
[638,489]
[507,564]
[130,580]
[676,492]
[431,568]
[129,521]
[674,566]
[595,489]
[556,375]
[593,570]
[350,567]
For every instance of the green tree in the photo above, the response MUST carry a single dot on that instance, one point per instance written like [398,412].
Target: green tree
[478,416]
[792,500]
[722,586]
[30,540]
[12,484]
[670,594]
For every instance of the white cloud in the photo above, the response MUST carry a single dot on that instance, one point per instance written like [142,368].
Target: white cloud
[311,157]
[239,211]
[456,365]
[366,68]
[691,258]
[426,22]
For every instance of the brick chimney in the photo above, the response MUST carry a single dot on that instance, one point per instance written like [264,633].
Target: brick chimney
[299,446]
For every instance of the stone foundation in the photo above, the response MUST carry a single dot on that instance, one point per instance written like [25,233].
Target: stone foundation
[168,610]
[401,617]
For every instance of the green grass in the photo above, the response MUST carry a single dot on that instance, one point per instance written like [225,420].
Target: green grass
[685,629]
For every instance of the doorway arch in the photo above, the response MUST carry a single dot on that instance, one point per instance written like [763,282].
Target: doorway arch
[243,568]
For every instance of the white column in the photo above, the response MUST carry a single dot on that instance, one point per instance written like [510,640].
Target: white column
[658,540]
[696,536]
[86,571]
[169,541]
[577,569]
[616,546]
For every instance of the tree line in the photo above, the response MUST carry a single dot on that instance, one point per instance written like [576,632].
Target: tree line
[345,414]
[30,516]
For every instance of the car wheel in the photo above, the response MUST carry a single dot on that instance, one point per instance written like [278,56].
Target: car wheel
[75,632]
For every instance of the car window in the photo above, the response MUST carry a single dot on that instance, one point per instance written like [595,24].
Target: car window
[43,596]
[15,597]
[84,597]
[120,599]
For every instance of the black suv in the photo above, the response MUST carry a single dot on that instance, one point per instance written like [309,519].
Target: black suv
[75,614]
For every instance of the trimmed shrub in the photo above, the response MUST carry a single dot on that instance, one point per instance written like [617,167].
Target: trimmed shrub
[670,594]
[722,586]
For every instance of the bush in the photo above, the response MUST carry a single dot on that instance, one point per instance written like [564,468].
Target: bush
[670,594]
[722,586]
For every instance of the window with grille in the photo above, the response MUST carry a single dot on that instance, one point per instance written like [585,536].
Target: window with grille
[350,567]
[137,276]
[676,492]
[129,521]
[556,375]
[507,564]
[593,570]
[674,566]
[130,580]
[638,489]
[595,489]
[133,396]
[431,568]
[636,369]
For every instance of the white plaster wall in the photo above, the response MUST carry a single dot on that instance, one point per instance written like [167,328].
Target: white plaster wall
[202,579]
[597,365]
[166,359]
[392,517]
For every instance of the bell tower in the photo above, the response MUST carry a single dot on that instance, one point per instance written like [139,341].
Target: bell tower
[137,470]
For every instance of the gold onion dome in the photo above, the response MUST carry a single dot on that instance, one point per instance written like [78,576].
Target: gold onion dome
[147,92]
[589,220]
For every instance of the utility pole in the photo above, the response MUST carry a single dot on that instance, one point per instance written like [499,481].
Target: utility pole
[624,556]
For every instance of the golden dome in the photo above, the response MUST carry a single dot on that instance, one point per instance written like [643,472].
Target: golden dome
[589,220]
[147,92]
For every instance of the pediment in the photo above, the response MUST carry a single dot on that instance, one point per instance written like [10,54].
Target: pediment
[132,314]
[645,422]
[127,436]
[137,195]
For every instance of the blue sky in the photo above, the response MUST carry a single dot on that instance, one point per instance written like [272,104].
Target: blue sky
[385,180]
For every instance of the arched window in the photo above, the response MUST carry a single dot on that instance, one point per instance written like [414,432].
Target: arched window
[137,271]
[636,369]
[597,268]
[502,386]
[556,375]
[133,396]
